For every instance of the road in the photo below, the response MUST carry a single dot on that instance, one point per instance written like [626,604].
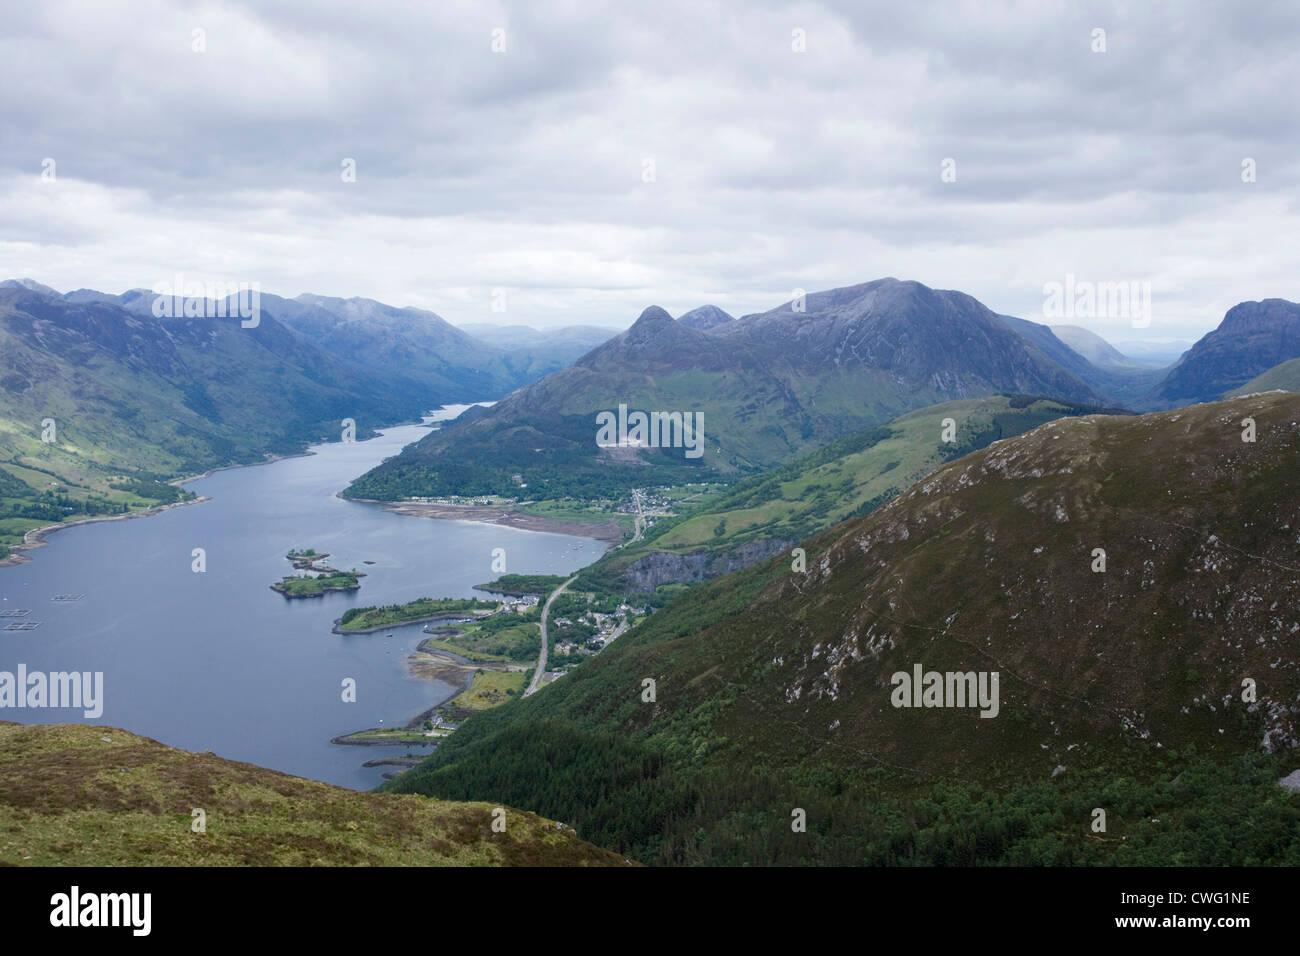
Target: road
[546,644]
[638,526]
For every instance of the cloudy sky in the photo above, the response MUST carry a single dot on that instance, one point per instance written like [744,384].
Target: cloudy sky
[614,155]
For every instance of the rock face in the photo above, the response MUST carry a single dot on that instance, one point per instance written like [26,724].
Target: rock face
[1253,338]
[663,567]
[1291,781]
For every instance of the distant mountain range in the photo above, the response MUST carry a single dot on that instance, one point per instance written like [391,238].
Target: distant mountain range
[769,387]
[414,346]
[765,388]
[1124,577]
[134,397]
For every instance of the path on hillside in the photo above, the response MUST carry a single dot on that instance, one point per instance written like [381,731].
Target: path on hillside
[541,660]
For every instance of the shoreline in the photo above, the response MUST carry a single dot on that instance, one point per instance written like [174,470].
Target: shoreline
[35,538]
[457,676]
[608,532]
[441,615]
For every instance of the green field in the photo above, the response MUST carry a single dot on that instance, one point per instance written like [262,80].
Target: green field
[501,637]
[491,689]
[363,618]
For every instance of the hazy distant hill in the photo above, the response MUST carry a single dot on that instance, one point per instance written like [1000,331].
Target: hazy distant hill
[1092,347]
[769,387]
[1119,689]
[1162,354]
[549,349]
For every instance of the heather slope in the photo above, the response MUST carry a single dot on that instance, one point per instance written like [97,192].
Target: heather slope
[76,795]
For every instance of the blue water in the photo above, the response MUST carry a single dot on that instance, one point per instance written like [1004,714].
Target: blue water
[218,661]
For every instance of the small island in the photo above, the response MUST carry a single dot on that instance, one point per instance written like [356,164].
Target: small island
[323,580]
[521,585]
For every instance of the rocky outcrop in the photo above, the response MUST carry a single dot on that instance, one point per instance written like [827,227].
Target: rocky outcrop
[664,567]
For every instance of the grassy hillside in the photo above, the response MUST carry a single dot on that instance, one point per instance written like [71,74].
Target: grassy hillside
[1285,376]
[75,795]
[848,477]
[1120,689]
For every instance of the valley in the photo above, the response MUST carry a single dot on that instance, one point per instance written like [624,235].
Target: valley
[732,639]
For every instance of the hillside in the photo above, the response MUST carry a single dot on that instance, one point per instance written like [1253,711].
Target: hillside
[1120,689]
[770,387]
[771,512]
[74,795]
[1252,338]
[136,400]
[416,345]
[1285,376]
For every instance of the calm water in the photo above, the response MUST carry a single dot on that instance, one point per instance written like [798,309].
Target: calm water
[218,661]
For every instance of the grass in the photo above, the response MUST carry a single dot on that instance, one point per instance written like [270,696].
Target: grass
[73,795]
[464,652]
[492,688]
[362,618]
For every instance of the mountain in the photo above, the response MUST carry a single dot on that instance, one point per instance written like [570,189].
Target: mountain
[138,399]
[771,512]
[1092,347]
[414,347]
[1285,377]
[1252,338]
[1160,688]
[411,343]
[75,795]
[769,387]
[31,285]
[704,318]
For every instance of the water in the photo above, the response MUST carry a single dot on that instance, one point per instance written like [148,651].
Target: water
[218,661]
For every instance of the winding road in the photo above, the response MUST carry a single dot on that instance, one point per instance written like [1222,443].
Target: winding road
[546,644]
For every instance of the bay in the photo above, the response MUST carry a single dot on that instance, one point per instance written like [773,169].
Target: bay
[217,660]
